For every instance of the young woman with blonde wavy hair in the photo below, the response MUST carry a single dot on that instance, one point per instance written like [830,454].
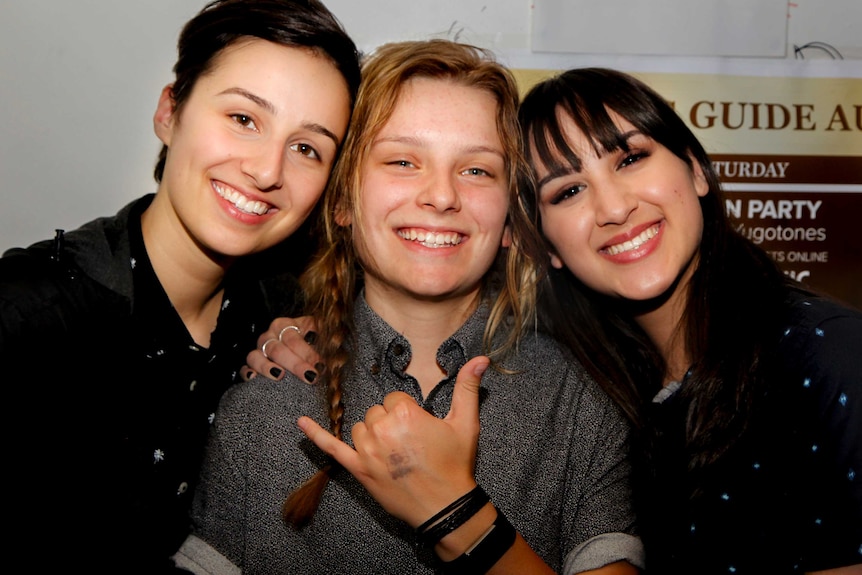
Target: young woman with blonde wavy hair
[425,287]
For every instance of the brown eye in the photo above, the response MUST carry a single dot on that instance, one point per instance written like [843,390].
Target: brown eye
[566,193]
[244,121]
[306,150]
[632,158]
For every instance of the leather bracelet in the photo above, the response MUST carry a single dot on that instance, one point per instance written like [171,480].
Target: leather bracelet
[448,509]
[485,552]
[452,517]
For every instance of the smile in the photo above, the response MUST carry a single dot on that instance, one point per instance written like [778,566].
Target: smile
[240,202]
[431,239]
[635,242]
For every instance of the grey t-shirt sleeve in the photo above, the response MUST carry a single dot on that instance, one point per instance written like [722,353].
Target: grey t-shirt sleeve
[603,526]
[604,549]
[201,558]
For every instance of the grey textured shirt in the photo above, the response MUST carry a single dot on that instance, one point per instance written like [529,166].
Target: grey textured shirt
[552,456]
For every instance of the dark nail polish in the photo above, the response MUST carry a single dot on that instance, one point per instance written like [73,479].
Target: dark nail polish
[310,337]
[310,376]
[249,374]
[275,372]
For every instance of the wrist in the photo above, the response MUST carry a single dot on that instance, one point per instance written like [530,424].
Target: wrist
[454,544]
[452,517]
[486,551]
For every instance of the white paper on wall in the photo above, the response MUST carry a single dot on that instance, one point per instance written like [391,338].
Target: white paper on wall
[661,27]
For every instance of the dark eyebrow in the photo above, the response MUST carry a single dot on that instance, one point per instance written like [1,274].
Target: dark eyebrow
[317,128]
[268,106]
[557,172]
[263,103]
[560,170]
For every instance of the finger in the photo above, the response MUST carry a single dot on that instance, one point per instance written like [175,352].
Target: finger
[393,399]
[246,373]
[465,396]
[296,338]
[307,324]
[374,414]
[258,363]
[278,325]
[282,357]
[329,444]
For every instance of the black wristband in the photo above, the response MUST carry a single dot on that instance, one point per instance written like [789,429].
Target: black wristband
[486,552]
[449,509]
[452,517]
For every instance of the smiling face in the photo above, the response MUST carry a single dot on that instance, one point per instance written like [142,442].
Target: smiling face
[434,194]
[250,151]
[629,223]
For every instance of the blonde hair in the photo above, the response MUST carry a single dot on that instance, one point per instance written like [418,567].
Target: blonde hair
[331,282]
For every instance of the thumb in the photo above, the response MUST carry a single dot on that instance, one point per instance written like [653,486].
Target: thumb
[465,397]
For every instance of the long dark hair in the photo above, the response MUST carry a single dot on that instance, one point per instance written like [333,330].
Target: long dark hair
[734,298]
[293,23]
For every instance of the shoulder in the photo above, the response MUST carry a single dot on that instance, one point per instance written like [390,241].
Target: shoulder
[39,293]
[256,420]
[261,398]
[819,360]
[541,354]
[811,310]
[95,250]
[543,368]
[823,334]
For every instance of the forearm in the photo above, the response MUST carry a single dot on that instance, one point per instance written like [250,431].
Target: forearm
[518,558]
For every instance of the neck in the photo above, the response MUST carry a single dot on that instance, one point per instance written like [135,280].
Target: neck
[662,321]
[425,323]
[191,279]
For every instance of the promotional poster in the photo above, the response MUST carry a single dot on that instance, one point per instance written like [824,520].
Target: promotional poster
[788,151]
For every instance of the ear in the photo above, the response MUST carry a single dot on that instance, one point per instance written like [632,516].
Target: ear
[342,216]
[163,119]
[700,184]
[556,262]
[507,237]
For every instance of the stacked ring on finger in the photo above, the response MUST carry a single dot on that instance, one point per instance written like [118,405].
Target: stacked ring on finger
[263,347]
[284,329]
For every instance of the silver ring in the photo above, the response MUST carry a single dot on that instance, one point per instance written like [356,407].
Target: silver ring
[263,347]
[284,329]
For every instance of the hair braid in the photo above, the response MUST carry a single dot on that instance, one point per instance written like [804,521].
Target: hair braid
[328,283]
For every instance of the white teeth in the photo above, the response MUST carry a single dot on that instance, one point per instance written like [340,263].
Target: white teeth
[431,239]
[635,242]
[242,203]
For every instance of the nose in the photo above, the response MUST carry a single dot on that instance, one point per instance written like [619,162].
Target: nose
[265,165]
[440,193]
[613,203]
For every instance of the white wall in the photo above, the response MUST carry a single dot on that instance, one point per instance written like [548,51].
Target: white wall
[79,82]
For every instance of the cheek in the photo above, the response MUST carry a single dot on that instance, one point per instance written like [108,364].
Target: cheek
[491,211]
[564,230]
[569,236]
[308,183]
[202,147]
[381,192]
[696,219]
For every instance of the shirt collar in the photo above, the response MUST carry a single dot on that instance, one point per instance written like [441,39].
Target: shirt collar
[385,346]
